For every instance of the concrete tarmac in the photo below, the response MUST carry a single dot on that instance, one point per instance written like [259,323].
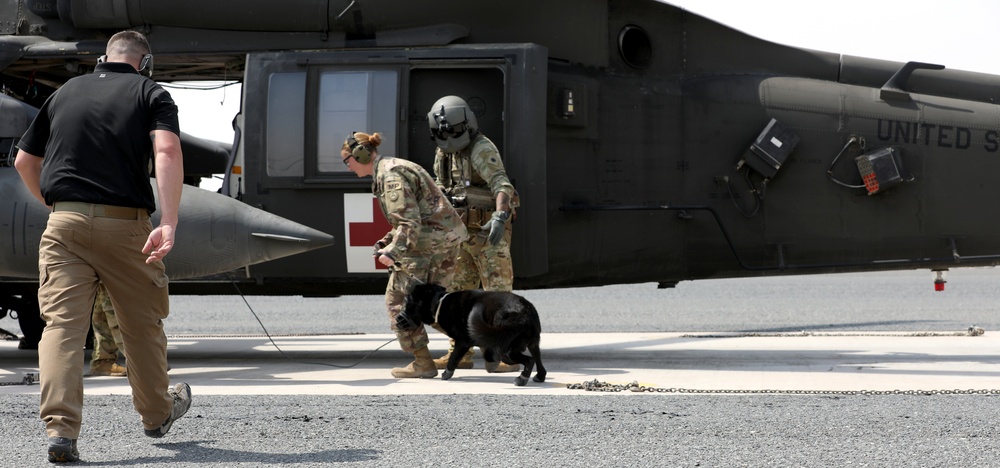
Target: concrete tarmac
[807,372]
[358,364]
[727,400]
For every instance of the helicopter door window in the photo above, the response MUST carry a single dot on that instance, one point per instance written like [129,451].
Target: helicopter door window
[286,99]
[349,100]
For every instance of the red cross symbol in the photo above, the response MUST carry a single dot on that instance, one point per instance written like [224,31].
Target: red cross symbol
[367,234]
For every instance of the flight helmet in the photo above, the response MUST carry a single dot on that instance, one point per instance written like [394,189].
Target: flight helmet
[452,124]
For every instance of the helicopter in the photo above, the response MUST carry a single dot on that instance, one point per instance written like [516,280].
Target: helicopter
[632,130]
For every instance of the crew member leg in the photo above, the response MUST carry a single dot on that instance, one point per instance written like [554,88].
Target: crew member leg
[436,268]
[139,295]
[411,341]
[496,271]
[107,337]
[497,274]
[465,276]
[67,286]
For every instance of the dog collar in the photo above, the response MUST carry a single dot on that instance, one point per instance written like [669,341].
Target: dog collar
[438,311]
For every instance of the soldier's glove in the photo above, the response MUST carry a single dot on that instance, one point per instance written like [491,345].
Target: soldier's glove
[378,246]
[496,224]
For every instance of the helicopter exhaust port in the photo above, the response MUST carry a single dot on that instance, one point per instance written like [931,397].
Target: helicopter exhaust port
[939,280]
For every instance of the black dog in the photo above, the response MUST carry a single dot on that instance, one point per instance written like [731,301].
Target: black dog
[502,324]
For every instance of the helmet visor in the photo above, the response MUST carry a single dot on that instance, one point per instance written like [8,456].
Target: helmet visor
[448,121]
[444,132]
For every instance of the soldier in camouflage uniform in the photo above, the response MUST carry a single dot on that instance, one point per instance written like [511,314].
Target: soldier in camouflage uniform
[469,170]
[107,337]
[423,243]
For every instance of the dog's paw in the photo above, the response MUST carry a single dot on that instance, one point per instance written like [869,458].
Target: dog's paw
[520,381]
[447,374]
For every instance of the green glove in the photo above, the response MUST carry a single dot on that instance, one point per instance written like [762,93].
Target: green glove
[496,224]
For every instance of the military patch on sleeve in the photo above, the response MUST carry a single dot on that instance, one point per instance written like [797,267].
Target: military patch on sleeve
[393,189]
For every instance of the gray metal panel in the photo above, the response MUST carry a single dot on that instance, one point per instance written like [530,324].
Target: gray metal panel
[526,137]
[9,16]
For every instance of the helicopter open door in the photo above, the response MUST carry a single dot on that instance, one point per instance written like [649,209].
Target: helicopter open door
[310,101]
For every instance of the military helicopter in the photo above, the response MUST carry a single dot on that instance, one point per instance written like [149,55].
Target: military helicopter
[632,130]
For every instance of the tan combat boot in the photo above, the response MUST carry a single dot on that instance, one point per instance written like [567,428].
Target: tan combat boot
[494,367]
[107,367]
[421,367]
[465,363]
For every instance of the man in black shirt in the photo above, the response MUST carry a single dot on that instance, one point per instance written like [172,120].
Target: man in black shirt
[87,155]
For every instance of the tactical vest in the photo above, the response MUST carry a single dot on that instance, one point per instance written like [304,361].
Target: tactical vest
[468,192]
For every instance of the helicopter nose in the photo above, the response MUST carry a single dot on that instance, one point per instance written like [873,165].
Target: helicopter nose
[219,234]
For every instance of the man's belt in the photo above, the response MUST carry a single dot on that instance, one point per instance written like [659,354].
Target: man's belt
[101,211]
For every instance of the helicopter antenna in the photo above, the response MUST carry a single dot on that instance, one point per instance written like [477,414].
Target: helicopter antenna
[345,9]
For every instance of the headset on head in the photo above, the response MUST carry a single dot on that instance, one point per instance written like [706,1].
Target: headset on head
[145,65]
[361,152]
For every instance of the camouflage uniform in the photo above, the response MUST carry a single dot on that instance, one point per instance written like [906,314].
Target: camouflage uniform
[424,240]
[472,178]
[107,336]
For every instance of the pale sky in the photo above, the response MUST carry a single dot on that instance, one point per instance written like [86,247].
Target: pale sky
[958,34]
[207,113]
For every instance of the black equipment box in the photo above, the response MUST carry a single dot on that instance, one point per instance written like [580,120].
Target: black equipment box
[880,169]
[769,151]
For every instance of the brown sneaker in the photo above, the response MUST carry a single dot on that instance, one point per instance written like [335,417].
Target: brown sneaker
[495,367]
[107,368]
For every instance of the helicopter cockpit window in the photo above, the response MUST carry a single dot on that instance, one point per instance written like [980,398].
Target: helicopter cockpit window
[364,101]
[285,121]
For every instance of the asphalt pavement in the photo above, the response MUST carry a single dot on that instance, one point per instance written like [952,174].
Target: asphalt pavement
[830,370]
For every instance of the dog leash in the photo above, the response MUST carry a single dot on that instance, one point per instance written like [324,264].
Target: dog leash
[399,266]
[395,263]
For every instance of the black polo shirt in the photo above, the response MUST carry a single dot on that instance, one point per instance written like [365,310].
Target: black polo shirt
[93,134]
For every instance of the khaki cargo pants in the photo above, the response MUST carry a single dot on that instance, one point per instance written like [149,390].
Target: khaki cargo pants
[76,252]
